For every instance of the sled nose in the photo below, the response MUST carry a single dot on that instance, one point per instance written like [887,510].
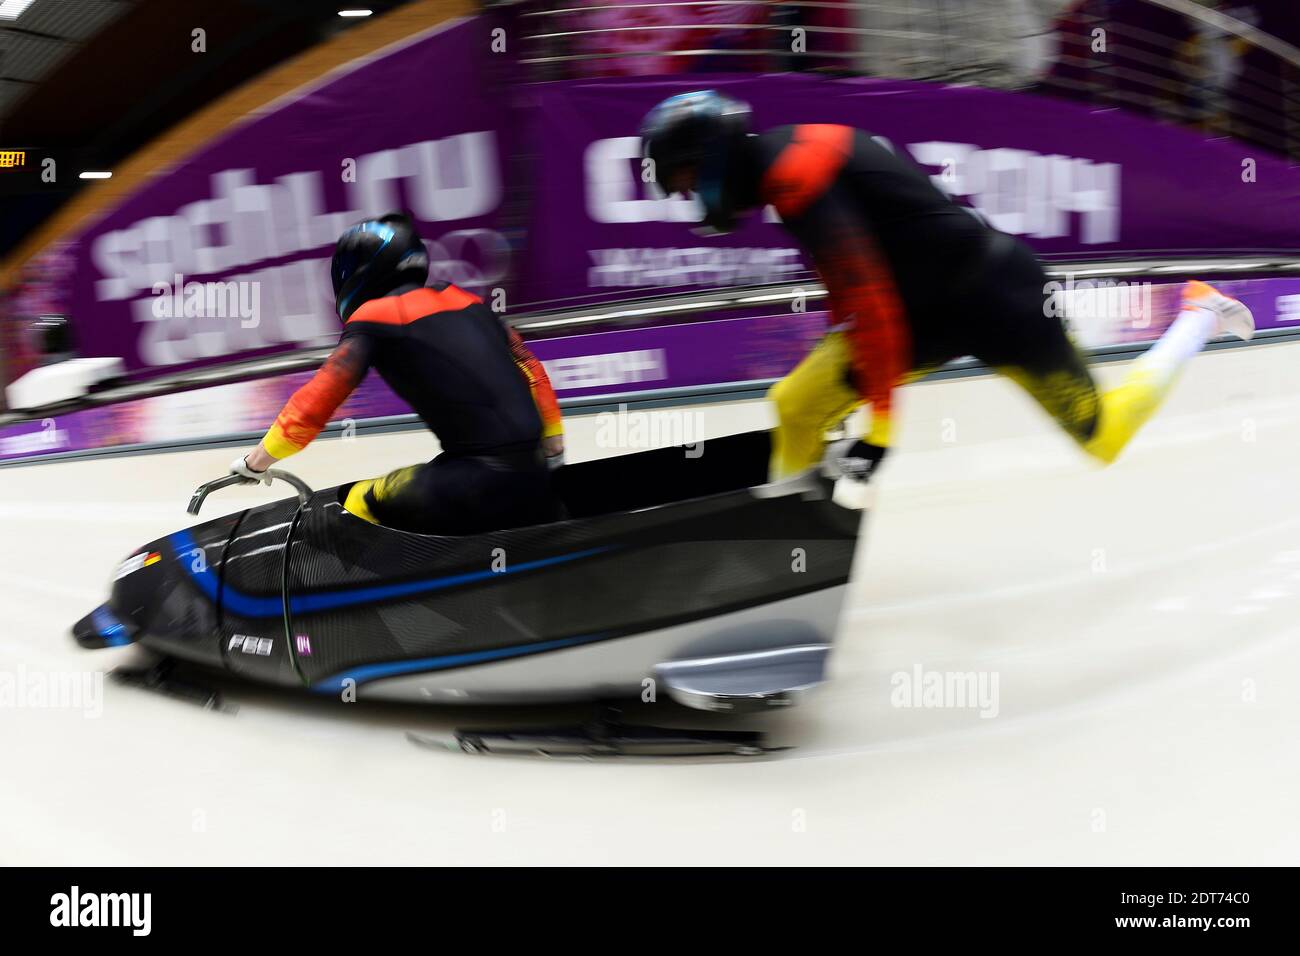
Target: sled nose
[102,628]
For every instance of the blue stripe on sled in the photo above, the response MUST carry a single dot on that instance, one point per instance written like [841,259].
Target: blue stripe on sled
[369,672]
[246,605]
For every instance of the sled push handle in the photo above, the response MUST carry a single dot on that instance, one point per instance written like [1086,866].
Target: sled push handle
[202,491]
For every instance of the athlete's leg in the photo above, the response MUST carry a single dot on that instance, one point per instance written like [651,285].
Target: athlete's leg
[459,495]
[355,503]
[365,496]
[1205,313]
[812,398]
[1015,333]
[1103,424]
[1052,371]
[1065,390]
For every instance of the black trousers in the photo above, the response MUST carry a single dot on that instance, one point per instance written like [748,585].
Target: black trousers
[465,494]
[1007,324]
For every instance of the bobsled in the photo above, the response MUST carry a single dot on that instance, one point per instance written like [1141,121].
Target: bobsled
[678,571]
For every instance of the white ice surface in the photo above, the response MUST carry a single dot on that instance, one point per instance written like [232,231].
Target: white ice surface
[1140,620]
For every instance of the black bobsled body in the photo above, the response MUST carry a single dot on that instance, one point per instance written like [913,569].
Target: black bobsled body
[678,566]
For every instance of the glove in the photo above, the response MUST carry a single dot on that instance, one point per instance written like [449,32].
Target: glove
[240,467]
[553,449]
[852,458]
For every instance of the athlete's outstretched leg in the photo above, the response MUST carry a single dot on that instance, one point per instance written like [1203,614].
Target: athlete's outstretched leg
[1103,425]
[1205,313]
[814,397]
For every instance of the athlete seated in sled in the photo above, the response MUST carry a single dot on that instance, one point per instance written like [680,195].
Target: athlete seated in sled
[461,369]
[913,281]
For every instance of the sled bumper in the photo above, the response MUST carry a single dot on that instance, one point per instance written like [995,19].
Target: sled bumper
[102,628]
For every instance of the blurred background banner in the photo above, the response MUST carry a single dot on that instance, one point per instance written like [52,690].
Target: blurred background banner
[511,136]
[594,364]
[227,254]
[615,365]
[1072,181]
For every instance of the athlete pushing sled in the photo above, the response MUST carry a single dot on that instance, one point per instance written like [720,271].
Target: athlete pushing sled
[913,281]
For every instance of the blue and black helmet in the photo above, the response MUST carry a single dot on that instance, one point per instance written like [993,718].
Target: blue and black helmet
[704,130]
[373,258]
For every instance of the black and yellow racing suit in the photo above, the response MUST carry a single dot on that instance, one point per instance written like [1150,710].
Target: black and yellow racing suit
[913,280]
[476,386]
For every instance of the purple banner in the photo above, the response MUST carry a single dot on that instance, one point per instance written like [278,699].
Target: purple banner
[1069,180]
[225,256]
[704,353]
[228,254]
[610,363]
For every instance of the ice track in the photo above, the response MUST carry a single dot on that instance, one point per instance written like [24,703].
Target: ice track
[1141,623]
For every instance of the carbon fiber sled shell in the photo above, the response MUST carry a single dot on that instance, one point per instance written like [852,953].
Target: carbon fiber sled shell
[677,566]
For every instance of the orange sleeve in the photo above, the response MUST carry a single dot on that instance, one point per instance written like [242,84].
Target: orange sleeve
[866,307]
[548,406]
[807,167]
[310,408]
[864,300]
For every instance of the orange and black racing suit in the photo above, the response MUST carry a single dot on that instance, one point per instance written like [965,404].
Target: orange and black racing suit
[913,281]
[477,387]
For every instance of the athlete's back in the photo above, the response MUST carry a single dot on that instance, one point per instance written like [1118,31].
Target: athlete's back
[460,368]
[927,239]
[448,356]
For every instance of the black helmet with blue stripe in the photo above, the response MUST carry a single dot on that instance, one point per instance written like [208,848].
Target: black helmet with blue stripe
[707,133]
[375,257]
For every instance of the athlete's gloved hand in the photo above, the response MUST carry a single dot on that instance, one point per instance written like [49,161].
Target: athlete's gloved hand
[240,467]
[553,449]
[852,458]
